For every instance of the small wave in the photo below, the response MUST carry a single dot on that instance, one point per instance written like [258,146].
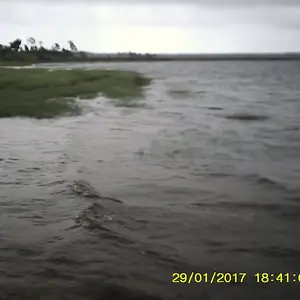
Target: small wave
[110,226]
[129,103]
[291,215]
[166,258]
[214,108]
[10,160]
[179,92]
[220,174]
[174,153]
[247,117]
[280,253]
[86,190]
[91,217]
[295,128]
[266,181]
[190,130]
[86,289]
[270,182]
[51,183]
[252,206]
[13,182]
[96,219]
[29,170]
[295,198]
[117,292]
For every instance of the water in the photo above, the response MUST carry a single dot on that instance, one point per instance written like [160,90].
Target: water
[204,178]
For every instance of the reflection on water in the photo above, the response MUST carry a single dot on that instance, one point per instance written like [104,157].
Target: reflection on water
[203,178]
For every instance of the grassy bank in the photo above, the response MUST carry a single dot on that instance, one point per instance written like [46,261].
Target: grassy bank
[14,63]
[43,93]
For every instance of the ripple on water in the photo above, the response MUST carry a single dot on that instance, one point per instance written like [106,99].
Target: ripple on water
[247,117]
[86,190]
[264,181]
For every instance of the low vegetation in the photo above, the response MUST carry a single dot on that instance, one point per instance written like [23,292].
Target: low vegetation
[44,93]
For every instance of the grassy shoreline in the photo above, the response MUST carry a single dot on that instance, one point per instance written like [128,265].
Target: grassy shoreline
[14,63]
[44,93]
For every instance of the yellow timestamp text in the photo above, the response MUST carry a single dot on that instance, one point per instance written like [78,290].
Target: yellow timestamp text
[277,277]
[214,277]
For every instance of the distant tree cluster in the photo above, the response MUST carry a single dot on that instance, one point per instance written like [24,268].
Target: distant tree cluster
[35,51]
[136,55]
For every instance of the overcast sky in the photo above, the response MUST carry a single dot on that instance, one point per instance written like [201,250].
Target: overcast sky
[186,26]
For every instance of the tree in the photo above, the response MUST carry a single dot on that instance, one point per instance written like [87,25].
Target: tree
[72,46]
[56,47]
[4,49]
[26,48]
[66,51]
[15,45]
[31,41]
[41,48]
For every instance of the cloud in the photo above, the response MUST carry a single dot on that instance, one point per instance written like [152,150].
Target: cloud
[188,26]
[163,2]
[159,15]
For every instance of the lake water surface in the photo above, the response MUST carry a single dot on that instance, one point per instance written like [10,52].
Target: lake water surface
[205,177]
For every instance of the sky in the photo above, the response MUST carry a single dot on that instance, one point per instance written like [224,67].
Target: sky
[156,26]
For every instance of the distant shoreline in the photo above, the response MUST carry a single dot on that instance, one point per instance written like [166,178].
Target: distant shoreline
[185,58]
[158,58]
[195,57]
[34,52]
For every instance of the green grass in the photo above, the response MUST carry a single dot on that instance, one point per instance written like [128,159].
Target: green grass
[43,93]
[15,63]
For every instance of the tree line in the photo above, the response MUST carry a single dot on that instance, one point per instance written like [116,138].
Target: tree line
[35,51]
